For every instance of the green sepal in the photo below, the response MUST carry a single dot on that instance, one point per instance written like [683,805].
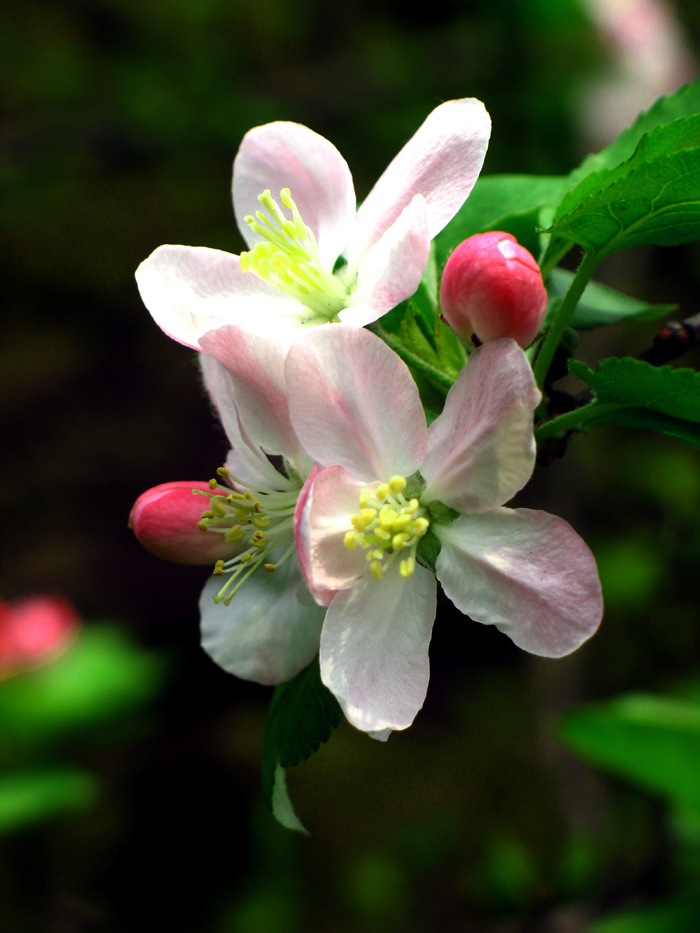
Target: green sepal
[428,550]
[303,714]
[599,304]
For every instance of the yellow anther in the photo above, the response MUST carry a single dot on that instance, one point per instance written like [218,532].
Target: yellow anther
[260,521]
[223,471]
[245,558]
[213,484]
[203,525]
[376,570]
[396,484]
[420,526]
[218,568]
[387,517]
[368,516]
[401,522]
[364,498]
[406,567]
[413,505]
[238,496]
[269,567]
[234,534]
[376,554]
[356,522]
[382,492]
[398,541]
[349,540]
[217,508]
[381,533]
[207,514]
[258,539]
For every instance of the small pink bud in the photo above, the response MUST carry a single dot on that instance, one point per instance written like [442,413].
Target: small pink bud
[492,287]
[34,631]
[165,520]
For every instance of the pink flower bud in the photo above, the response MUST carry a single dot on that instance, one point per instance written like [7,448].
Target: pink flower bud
[492,287]
[34,631]
[166,519]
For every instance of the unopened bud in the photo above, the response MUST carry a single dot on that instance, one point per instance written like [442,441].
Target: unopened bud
[166,520]
[34,631]
[492,287]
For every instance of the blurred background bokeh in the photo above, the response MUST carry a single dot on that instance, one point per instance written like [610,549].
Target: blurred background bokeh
[120,123]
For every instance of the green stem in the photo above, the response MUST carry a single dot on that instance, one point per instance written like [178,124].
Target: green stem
[563,316]
[437,376]
[577,418]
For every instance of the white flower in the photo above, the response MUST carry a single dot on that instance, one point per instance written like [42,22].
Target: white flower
[360,521]
[317,258]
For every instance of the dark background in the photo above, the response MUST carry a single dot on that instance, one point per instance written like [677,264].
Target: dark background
[120,123]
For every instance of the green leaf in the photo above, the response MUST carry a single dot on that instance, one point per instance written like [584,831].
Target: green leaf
[600,305]
[302,716]
[102,675]
[680,915]
[644,418]
[682,103]
[653,741]
[652,198]
[501,202]
[674,392]
[32,797]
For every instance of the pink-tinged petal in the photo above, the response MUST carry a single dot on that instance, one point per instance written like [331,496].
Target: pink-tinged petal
[165,521]
[441,161]
[288,155]
[354,403]
[246,460]
[270,630]
[192,289]
[391,270]
[374,649]
[255,364]
[526,572]
[481,449]
[326,502]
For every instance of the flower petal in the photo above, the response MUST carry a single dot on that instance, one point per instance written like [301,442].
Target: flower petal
[526,572]
[270,630]
[192,289]
[288,155]
[322,519]
[354,403]
[245,460]
[391,270]
[481,449]
[374,649]
[441,161]
[255,364]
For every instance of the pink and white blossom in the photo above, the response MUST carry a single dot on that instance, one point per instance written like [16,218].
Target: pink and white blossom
[317,258]
[385,481]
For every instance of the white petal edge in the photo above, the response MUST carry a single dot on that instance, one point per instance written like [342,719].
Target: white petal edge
[374,649]
[269,632]
[526,572]
[481,449]
[441,161]
[190,290]
[288,155]
[354,403]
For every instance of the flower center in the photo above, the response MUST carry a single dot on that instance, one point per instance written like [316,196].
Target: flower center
[288,257]
[387,525]
[262,520]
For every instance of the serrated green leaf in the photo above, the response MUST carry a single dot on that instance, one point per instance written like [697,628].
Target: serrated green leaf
[653,741]
[651,199]
[500,202]
[303,714]
[682,103]
[674,392]
[100,676]
[31,797]
[601,305]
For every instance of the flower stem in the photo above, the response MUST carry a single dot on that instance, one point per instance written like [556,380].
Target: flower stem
[563,316]
[577,418]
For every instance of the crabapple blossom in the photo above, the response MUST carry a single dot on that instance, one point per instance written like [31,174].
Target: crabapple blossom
[258,620]
[312,256]
[492,287]
[392,498]
[34,631]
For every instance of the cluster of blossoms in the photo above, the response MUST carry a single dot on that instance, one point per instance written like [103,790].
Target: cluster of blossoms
[337,551]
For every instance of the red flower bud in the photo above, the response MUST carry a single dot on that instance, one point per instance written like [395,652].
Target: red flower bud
[165,520]
[34,631]
[492,287]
